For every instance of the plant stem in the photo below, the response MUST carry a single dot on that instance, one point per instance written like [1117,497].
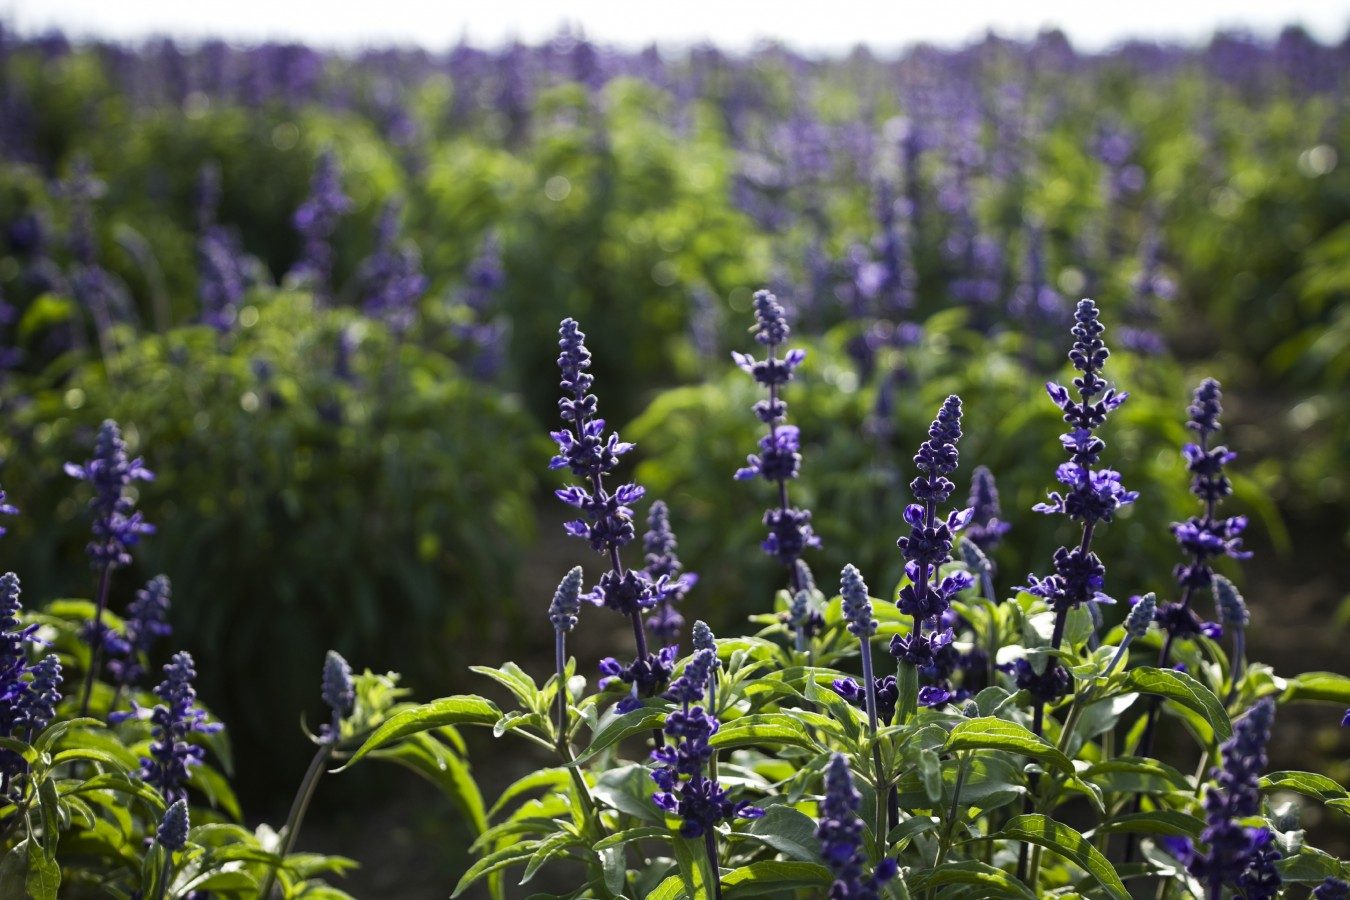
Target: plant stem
[165,873]
[710,844]
[560,657]
[96,654]
[885,818]
[949,827]
[299,806]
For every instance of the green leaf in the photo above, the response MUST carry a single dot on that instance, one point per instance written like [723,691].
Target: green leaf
[495,862]
[231,881]
[1311,865]
[1164,821]
[514,679]
[44,875]
[1068,843]
[641,833]
[217,790]
[1183,689]
[1135,774]
[649,716]
[440,765]
[116,781]
[537,780]
[763,728]
[1311,784]
[628,789]
[14,871]
[552,846]
[462,709]
[693,863]
[670,889]
[1327,687]
[989,881]
[907,678]
[988,733]
[615,869]
[774,877]
[787,830]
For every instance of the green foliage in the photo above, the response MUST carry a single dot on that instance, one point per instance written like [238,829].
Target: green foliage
[412,476]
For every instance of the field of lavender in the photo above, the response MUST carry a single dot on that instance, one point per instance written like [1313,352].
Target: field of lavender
[293,318]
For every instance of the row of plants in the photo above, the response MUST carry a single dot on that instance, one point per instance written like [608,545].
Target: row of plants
[1011,753]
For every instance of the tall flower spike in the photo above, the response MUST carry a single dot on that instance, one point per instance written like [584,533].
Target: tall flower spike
[1092,497]
[117,525]
[1141,616]
[666,573]
[391,279]
[316,220]
[586,451]
[779,459]
[840,832]
[173,828]
[1206,537]
[857,606]
[43,693]
[147,622]
[926,548]
[566,605]
[986,528]
[1235,856]
[338,690]
[175,719]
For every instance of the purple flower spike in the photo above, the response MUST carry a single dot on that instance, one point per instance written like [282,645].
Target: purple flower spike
[987,528]
[117,526]
[175,719]
[840,832]
[1235,856]
[779,459]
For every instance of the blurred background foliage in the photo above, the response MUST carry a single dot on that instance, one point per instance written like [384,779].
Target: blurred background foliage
[329,476]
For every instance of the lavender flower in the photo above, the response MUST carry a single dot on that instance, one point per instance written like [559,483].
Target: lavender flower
[39,702]
[986,528]
[1092,498]
[1332,889]
[685,790]
[692,685]
[173,828]
[175,720]
[316,220]
[840,832]
[647,674]
[15,691]
[588,453]
[1235,856]
[221,275]
[562,612]
[117,525]
[1206,537]
[929,543]
[391,279]
[666,573]
[926,548]
[338,690]
[146,622]
[857,606]
[886,690]
[778,461]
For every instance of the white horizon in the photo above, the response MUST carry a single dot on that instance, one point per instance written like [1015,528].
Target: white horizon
[817,28]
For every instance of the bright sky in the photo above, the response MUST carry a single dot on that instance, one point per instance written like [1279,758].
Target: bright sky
[829,25]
